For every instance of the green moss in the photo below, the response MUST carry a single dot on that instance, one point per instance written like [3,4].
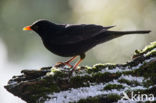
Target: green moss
[91,100]
[41,89]
[129,72]
[99,67]
[59,74]
[146,70]
[146,49]
[148,83]
[114,97]
[101,99]
[87,67]
[152,52]
[113,86]
[149,47]
[132,83]
[96,68]
[92,70]
[36,84]
[79,81]
[105,77]
[83,81]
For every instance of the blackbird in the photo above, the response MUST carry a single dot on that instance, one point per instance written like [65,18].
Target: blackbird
[74,40]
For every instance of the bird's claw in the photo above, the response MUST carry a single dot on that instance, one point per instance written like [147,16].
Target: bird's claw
[61,64]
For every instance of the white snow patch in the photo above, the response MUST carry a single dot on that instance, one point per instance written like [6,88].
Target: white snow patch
[12,83]
[123,69]
[151,59]
[126,101]
[75,94]
[81,73]
[84,92]
[117,69]
[80,93]
[132,78]
[95,90]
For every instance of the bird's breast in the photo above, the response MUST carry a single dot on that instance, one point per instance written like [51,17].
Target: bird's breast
[68,50]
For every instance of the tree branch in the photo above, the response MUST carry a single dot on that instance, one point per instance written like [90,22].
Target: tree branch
[102,83]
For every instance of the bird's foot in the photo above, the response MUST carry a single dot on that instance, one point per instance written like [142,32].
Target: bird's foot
[61,64]
[66,63]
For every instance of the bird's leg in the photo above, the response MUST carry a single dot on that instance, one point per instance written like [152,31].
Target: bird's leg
[65,63]
[82,56]
[70,60]
[75,66]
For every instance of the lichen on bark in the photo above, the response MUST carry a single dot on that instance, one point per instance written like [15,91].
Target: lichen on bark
[102,83]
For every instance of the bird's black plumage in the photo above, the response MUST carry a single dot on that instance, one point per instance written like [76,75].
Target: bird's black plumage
[71,40]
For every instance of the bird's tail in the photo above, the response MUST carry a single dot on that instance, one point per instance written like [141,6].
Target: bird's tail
[130,32]
[109,35]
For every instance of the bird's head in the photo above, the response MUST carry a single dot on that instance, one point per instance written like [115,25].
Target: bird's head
[42,27]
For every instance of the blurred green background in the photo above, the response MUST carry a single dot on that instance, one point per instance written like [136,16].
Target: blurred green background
[24,50]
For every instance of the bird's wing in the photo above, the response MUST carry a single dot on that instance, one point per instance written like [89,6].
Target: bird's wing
[78,33]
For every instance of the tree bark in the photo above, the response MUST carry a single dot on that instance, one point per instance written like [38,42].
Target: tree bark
[102,83]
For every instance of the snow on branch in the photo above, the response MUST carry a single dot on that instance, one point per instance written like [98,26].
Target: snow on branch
[102,83]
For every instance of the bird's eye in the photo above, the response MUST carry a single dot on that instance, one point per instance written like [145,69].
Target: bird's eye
[35,27]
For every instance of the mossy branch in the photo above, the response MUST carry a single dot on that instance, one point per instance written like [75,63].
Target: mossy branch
[102,83]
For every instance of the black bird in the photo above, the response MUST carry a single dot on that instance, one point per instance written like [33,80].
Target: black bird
[74,40]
